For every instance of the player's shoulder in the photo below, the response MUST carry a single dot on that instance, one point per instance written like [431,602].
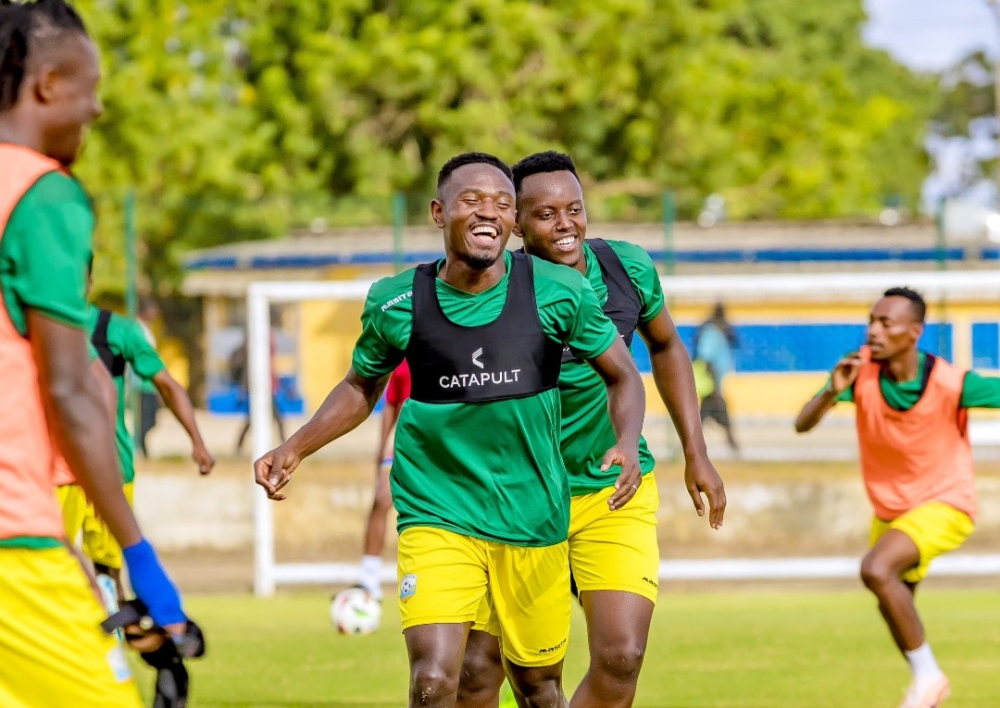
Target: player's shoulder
[392,292]
[557,276]
[631,255]
[56,189]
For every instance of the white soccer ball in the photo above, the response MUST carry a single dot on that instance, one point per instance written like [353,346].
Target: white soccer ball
[355,611]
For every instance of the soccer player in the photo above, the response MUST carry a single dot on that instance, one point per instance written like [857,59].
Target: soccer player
[396,392]
[122,342]
[916,462]
[478,481]
[52,650]
[614,555]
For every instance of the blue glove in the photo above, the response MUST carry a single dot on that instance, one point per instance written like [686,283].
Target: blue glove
[152,585]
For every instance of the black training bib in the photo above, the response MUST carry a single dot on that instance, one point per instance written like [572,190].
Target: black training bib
[114,363]
[508,358]
[623,305]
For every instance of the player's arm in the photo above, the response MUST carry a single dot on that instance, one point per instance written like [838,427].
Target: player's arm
[843,376]
[626,408]
[106,384]
[980,391]
[79,419]
[674,377]
[390,414]
[346,407]
[179,403]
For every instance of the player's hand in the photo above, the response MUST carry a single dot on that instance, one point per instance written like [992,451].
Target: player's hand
[154,587]
[630,478]
[845,372]
[203,458]
[701,477]
[274,470]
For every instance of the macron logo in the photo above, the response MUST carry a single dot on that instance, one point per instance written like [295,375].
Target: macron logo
[475,357]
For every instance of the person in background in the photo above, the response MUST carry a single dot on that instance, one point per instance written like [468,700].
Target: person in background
[396,393]
[149,401]
[714,345]
[240,372]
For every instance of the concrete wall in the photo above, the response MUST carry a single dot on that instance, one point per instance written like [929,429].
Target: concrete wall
[324,518]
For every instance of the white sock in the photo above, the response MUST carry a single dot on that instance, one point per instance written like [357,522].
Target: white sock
[922,662]
[371,571]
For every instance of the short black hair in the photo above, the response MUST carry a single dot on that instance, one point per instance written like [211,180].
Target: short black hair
[916,300]
[471,158]
[23,27]
[548,161]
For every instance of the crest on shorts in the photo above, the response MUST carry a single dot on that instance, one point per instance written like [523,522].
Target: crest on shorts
[408,586]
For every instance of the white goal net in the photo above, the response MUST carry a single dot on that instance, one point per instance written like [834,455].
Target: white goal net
[793,327]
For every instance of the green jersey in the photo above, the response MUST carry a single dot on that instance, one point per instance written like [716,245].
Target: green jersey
[586,426]
[978,391]
[44,252]
[127,339]
[489,470]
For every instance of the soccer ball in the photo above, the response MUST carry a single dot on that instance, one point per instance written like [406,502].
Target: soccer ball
[354,611]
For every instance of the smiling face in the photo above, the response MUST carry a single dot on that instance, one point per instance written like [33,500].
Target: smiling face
[552,219]
[893,328]
[475,209]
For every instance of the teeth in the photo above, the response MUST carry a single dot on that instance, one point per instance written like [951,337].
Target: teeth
[565,241]
[484,231]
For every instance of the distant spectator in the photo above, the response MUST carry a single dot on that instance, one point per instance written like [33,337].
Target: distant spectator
[149,401]
[239,372]
[714,345]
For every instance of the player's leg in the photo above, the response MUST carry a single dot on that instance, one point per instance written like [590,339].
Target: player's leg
[100,546]
[52,650]
[435,653]
[529,595]
[899,559]
[881,572]
[276,414]
[617,632]
[482,668]
[371,561]
[442,581]
[615,561]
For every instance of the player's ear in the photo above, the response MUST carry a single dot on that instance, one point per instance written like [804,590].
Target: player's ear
[437,213]
[517,226]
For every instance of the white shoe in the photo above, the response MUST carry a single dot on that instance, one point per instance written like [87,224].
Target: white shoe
[927,692]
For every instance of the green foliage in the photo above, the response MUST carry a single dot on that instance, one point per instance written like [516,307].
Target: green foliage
[968,95]
[238,119]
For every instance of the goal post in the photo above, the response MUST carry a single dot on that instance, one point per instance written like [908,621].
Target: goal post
[260,297]
[809,288]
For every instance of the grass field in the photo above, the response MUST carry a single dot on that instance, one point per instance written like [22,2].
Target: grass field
[750,649]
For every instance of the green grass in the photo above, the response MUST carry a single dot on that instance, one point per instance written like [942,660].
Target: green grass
[706,650]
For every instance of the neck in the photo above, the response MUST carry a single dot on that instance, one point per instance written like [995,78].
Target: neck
[462,276]
[904,366]
[14,129]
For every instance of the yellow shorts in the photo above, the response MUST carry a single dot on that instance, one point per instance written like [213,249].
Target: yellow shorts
[616,550]
[934,528]
[52,649]
[80,517]
[608,550]
[444,577]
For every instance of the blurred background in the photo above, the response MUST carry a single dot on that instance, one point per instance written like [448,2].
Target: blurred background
[281,140]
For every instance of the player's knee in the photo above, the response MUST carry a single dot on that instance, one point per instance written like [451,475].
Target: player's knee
[620,663]
[481,680]
[541,691]
[431,683]
[875,573]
